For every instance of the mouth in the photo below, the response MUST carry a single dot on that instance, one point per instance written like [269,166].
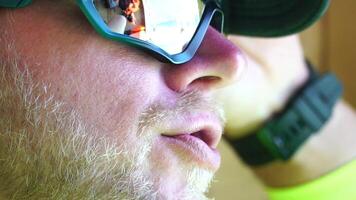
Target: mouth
[197,138]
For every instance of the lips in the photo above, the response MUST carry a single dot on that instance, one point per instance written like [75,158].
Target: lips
[206,127]
[210,139]
[196,138]
[193,149]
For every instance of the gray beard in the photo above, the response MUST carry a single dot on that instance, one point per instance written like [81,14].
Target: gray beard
[46,153]
[49,153]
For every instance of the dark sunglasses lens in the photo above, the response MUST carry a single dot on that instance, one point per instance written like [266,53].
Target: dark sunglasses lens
[168,24]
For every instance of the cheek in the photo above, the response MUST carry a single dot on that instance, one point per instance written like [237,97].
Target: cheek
[112,97]
[108,84]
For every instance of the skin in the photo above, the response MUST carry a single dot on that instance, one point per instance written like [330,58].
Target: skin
[110,84]
[274,73]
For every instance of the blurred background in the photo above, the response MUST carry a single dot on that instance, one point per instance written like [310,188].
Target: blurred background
[331,46]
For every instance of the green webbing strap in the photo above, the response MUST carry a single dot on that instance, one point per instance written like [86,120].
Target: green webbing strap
[337,185]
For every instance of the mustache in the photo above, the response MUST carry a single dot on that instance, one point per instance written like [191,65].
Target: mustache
[194,101]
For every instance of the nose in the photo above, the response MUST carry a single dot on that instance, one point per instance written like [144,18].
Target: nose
[217,63]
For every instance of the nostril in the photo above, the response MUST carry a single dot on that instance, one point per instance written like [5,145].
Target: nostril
[206,81]
[208,78]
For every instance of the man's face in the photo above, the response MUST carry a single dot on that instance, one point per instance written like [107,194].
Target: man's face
[114,119]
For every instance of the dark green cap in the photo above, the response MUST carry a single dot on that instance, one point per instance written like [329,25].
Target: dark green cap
[271,18]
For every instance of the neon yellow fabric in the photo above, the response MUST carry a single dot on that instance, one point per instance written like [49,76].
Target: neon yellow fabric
[338,185]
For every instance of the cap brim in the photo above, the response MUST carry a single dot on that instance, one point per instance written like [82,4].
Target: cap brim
[271,18]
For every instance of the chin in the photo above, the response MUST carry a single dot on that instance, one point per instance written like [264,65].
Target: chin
[179,179]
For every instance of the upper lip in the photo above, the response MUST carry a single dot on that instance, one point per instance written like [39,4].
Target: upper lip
[206,127]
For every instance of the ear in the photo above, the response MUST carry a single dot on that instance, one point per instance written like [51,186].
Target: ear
[14,3]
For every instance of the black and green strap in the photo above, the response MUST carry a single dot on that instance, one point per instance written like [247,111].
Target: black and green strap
[304,115]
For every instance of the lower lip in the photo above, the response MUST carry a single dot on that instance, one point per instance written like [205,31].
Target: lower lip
[195,149]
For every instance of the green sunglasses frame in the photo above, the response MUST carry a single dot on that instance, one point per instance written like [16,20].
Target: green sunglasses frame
[211,8]
[212,15]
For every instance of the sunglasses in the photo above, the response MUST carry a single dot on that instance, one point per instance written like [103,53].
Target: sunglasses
[170,30]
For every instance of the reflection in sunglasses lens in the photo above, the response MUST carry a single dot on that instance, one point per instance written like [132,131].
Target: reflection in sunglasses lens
[168,24]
